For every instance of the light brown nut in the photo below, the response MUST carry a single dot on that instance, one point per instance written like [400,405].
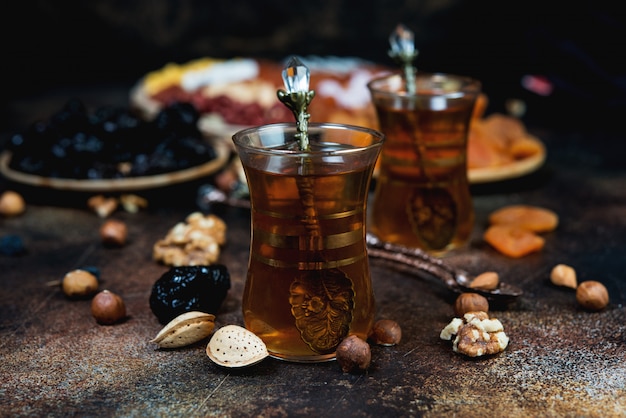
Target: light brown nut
[235,346]
[79,284]
[488,280]
[592,295]
[113,233]
[185,329]
[564,275]
[108,308]
[11,204]
[470,302]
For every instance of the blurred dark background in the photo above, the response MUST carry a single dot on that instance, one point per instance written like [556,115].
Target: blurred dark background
[575,48]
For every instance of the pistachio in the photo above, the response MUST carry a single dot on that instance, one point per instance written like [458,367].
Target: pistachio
[185,329]
[235,346]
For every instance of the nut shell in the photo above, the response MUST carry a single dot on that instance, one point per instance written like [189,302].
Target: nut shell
[235,346]
[185,329]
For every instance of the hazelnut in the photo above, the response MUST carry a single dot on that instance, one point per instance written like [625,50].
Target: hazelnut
[113,233]
[108,308]
[386,332]
[488,280]
[11,203]
[592,295]
[563,275]
[470,302]
[79,284]
[353,355]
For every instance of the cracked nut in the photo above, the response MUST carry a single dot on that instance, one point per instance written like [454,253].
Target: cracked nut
[185,329]
[592,295]
[470,302]
[353,355]
[563,275]
[11,203]
[79,284]
[386,332]
[108,308]
[488,280]
[476,335]
[113,233]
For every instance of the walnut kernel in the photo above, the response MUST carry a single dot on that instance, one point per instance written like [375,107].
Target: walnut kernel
[476,335]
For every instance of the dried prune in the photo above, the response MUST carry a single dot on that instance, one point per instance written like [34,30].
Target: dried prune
[189,288]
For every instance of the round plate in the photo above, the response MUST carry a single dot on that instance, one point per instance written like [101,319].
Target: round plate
[119,185]
[513,170]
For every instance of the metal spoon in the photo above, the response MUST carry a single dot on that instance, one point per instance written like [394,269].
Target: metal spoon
[417,260]
[455,279]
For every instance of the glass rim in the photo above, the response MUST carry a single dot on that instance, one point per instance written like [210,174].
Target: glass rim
[378,136]
[470,85]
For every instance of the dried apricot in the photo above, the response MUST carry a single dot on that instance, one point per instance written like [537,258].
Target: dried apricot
[512,240]
[533,218]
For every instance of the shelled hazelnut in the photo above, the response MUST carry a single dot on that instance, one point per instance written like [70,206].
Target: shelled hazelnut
[386,332]
[353,355]
[79,284]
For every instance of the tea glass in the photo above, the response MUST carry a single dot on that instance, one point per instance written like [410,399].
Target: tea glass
[422,197]
[308,282]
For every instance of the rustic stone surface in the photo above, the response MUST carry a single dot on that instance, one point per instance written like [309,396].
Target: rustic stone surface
[561,360]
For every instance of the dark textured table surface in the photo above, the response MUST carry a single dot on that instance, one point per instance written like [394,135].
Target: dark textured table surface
[561,360]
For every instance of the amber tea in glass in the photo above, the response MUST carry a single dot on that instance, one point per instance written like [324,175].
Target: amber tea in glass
[308,283]
[422,197]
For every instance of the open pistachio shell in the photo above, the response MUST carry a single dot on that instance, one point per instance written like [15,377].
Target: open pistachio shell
[235,346]
[185,329]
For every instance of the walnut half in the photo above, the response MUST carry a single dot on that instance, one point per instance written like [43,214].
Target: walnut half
[476,335]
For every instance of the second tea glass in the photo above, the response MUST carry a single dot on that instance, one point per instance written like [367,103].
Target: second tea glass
[422,197]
